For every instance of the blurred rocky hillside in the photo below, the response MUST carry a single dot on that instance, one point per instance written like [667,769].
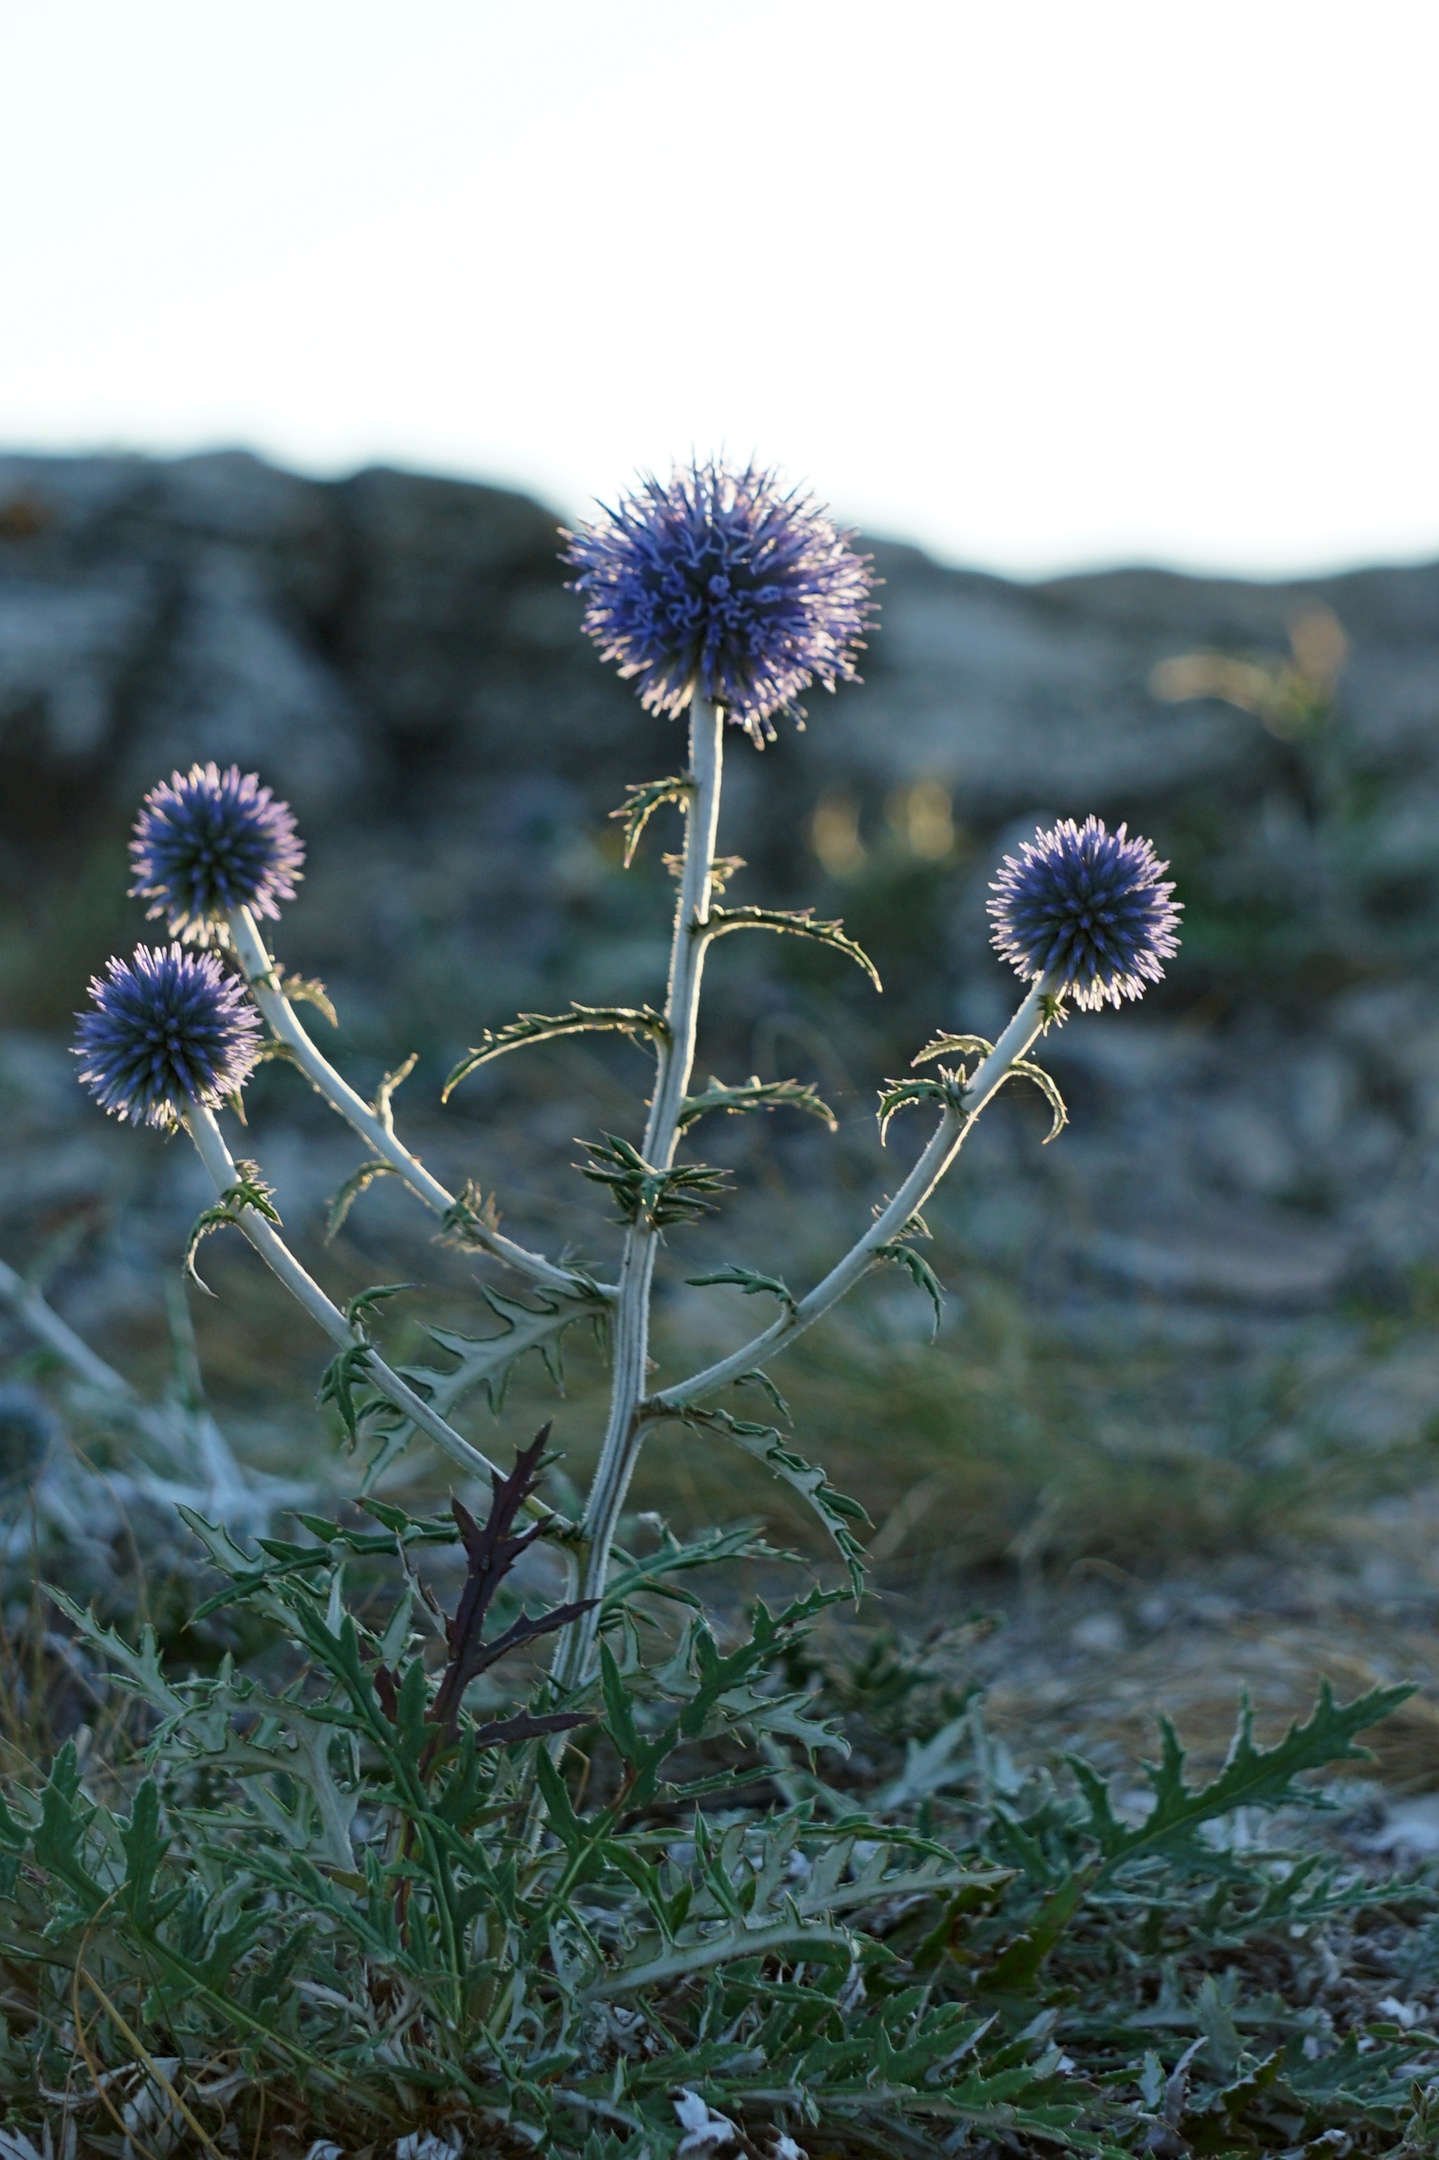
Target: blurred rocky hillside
[1251,1159]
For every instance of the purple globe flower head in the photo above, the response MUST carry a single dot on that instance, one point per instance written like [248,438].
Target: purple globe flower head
[169,1028]
[724,585]
[207,841]
[1089,909]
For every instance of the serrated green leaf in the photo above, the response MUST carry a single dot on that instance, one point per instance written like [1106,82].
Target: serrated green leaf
[835,1509]
[144,1849]
[141,1666]
[248,1191]
[747,1280]
[947,1092]
[308,990]
[1022,1069]
[755,1378]
[642,801]
[362,1308]
[1026,1069]
[385,1092]
[1251,1776]
[356,1183]
[487,1361]
[340,1382]
[789,923]
[953,1046]
[638,1022]
[921,1274]
[756,1094]
[658,1198]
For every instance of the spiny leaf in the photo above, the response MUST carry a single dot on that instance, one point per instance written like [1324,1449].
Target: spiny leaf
[361,1310]
[356,1183]
[793,923]
[1026,1069]
[655,1570]
[919,1271]
[947,1091]
[141,1667]
[746,1279]
[953,1046]
[636,1021]
[248,1191]
[487,1361]
[469,1212]
[755,1378]
[756,1094]
[144,1849]
[657,1198]
[1251,1776]
[384,1093]
[1022,1068]
[344,1374]
[722,869]
[641,802]
[308,990]
[834,1509]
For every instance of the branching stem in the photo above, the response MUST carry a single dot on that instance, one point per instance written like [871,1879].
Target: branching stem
[266,988]
[949,1137]
[276,1254]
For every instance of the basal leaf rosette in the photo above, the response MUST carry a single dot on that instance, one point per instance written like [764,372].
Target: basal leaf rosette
[726,585]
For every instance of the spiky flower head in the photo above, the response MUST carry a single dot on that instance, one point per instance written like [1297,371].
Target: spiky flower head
[726,585]
[207,841]
[169,1028]
[1089,909]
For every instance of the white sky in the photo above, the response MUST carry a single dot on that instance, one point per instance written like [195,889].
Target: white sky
[1036,283]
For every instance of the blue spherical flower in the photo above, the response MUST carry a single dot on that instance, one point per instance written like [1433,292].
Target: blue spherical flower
[726,585]
[1089,909]
[169,1028]
[207,841]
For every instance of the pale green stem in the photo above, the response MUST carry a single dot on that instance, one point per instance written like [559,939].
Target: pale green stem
[271,1247]
[624,1433]
[949,1137]
[264,980]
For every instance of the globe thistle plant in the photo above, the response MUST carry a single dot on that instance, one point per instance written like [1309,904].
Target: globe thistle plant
[169,1030]
[207,842]
[723,585]
[721,594]
[1087,910]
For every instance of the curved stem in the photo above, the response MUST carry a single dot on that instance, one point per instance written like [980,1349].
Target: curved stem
[276,1254]
[949,1137]
[624,1433]
[260,973]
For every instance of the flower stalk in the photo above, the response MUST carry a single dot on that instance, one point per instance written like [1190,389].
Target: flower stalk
[624,1432]
[949,1136]
[378,1132]
[262,1235]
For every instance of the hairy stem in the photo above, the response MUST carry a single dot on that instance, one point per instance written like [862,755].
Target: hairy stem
[265,986]
[276,1254]
[949,1137]
[625,1432]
